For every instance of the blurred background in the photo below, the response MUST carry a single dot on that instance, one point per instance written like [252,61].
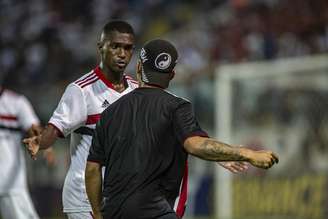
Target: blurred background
[255,70]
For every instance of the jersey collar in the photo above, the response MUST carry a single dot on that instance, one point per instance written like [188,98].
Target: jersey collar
[102,77]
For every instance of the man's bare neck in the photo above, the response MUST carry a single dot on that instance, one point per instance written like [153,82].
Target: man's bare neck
[116,78]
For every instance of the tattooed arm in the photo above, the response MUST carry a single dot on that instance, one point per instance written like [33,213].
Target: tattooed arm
[213,150]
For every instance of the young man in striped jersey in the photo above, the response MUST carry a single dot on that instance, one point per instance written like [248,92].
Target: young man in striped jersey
[80,107]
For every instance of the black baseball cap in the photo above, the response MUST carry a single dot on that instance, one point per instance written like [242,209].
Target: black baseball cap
[158,58]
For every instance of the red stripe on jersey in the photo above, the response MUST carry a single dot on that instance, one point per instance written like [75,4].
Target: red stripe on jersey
[90,82]
[61,135]
[92,119]
[84,79]
[183,193]
[81,83]
[101,75]
[8,117]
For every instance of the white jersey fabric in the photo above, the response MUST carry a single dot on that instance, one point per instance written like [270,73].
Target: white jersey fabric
[77,114]
[16,116]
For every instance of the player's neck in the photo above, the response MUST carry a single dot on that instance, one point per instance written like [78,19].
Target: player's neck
[142,84]
[116,78]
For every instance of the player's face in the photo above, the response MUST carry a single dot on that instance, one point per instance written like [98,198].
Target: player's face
[116,50]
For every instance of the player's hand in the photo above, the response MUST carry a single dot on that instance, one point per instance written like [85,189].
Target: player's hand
[263,159]
[234,166]
[32,145]
[34,130]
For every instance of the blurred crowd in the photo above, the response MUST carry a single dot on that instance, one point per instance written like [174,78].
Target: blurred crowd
[46,44]
[54,41]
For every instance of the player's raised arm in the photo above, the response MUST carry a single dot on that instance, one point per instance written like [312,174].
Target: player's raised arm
[211,149]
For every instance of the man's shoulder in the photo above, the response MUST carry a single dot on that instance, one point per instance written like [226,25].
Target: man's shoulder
[12,95]
[175,97]
[86,79]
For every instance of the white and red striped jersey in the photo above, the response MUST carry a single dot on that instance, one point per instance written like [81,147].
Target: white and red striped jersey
[77,114]
[16,116]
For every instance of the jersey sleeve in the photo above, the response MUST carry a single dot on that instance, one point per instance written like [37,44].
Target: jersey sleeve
[26,114]
[185,123]
[71,112]
[97,152]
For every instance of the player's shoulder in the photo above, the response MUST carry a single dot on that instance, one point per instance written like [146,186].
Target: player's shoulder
[14,98]
[12,94]
[175,97]
[85,80]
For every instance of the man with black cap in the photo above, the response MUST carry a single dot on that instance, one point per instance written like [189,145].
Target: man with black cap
[162,131]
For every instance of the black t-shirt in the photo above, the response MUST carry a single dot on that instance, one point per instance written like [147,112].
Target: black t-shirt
[139,139]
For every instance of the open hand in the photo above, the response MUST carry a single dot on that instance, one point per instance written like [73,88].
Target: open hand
[234,166]
[32,145]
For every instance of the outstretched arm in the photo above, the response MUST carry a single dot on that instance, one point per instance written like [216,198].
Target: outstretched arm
[93,184]
[213,150]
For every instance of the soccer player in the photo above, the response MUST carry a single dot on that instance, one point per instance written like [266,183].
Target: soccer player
[80,107]
[16,117]
[162,132]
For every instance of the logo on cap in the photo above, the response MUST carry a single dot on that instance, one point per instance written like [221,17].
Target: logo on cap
[163,61]
[143,55]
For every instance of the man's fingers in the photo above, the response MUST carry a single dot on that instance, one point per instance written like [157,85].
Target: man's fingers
[275,157]
[239,167]
[31,148]
[26,140]
[243,165]
[233,169]
[33,157]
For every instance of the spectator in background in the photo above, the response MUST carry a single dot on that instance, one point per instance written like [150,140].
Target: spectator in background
[16,117]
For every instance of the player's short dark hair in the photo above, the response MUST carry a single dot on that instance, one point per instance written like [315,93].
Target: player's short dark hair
[118,25]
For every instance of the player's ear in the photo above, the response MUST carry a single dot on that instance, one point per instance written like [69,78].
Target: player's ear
[101,43]
[172,74]
[100,46]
